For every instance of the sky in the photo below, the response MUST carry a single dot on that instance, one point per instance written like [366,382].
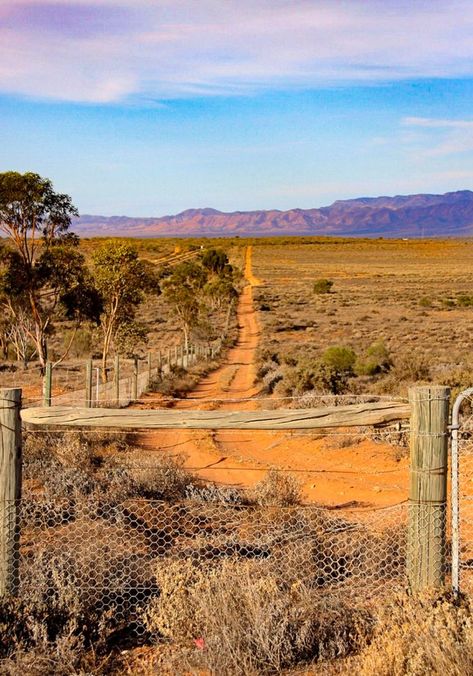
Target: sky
[150,107]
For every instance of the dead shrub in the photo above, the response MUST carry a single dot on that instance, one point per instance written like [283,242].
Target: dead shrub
[233,621]
[420,636]
[278,488]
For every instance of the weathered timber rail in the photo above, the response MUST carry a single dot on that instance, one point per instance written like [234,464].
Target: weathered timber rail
[358,415]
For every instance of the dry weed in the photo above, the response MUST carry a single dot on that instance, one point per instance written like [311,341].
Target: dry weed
[277,488]
[421,636]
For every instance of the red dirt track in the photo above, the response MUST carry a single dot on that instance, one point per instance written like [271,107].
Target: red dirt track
[336,469]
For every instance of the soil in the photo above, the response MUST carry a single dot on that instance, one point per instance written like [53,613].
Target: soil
[338,469]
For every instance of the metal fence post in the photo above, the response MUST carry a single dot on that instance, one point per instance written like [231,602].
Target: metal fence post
[88,383]
[426,537]
[116,379]
[97,385]
[10,489]
[134,381]
[47,384]
[455,497]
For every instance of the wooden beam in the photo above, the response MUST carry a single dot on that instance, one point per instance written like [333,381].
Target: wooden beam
[378,413]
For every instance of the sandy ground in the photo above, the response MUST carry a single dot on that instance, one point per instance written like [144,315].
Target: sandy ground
[339,469]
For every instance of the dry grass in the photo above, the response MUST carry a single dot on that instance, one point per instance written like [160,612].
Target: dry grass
[379,295]
[426,636]
[235,620]
[109,547]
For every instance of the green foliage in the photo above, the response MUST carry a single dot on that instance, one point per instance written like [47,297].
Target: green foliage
[42,276]
[463,300]
[28,203]
[425,301]
[82,342]
[328,374]
[215,260]
[322,286]
[376,360]
[193,288]
[182,290]
[121,279]
[339,358]
[448,302]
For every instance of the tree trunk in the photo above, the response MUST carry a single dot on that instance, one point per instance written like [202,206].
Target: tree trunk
[104,366]
[41,348]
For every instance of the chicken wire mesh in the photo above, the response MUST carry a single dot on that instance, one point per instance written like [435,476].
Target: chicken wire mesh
[104,523]
[462,493]
[109,555]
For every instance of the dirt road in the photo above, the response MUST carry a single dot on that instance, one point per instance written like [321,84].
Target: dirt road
[335,469]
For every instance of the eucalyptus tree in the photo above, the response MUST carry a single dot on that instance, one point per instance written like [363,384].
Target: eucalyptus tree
[43,276]
[122,280]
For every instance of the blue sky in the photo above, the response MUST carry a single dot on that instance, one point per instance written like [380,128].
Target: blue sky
[148,108]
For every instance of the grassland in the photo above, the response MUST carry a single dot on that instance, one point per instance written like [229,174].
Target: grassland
[413,296]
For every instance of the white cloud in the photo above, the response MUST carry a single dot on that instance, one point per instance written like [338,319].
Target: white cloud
[130,48]
[447,137]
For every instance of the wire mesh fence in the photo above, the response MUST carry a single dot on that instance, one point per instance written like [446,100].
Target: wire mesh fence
[116,526]
[463,478]
[82,382]
[110,555]
[101,523]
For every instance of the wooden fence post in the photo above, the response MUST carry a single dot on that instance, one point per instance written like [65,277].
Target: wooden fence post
[88,383]
[116,379]
[47,384]
[149,367]
[10,489]
[134,381]
[426,537]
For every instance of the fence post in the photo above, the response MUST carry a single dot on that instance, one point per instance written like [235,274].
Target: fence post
[426,537]
[47,384]
[116,379]
[10,489]
[149,367]
[97,386]
[134,382]
[88,383]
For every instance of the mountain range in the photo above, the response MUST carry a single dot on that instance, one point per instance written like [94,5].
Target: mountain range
[421,215]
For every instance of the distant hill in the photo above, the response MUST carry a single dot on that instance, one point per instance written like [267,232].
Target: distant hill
[422,215]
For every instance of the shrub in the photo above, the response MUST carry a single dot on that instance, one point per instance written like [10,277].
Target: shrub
[339,358]
[421,635]
[247,621]
[376,360]
[278,488]
[425,301]
[448,302]
[225,495]
[335,368]
[82,342]
[322,286]
[175,383]
[412,368]
[464,301]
